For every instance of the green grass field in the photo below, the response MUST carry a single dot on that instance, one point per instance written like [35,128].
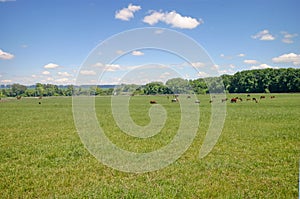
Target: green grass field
[257,154]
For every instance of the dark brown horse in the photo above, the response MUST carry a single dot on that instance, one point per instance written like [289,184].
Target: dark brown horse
[233,100]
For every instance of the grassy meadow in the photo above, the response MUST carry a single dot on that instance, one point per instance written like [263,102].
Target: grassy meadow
[256,156]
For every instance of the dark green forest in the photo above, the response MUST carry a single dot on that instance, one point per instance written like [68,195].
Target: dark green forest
[284,80]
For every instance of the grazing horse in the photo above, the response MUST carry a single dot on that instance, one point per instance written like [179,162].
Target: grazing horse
[175,100]
[153,102]
[18,97]
[233,100]
[272,97]
[248,95]
[262,97]
[224,100]
[254,99]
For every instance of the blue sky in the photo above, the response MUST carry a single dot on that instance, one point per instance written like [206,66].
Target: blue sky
[48,41]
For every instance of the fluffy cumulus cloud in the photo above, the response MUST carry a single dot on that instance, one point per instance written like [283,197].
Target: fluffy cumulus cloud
[137,53]
[87,72]
[51,66]
[263,35]
[288,38]
[202,74]
[107,67]
[250,61]
[198,64]
[288,58]
[64,74]
[6,81]
[262,66]
[45,72]
[62,80]
[172,18]
[126,14]
[112,67]
[5,55]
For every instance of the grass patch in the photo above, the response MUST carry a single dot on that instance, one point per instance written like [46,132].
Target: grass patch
[257,155]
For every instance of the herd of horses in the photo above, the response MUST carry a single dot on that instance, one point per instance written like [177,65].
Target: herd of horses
[176,99]
[232,100]
[236,99]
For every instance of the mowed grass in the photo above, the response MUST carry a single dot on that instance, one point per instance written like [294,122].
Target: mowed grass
[256,156]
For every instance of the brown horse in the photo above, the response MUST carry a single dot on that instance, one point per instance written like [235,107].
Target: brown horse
[233,100]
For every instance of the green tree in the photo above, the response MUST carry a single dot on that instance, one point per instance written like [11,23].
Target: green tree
[179,85]
[154,88]
[18,89]
[39,88]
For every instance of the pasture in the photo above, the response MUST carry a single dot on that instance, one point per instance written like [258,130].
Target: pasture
[256,156]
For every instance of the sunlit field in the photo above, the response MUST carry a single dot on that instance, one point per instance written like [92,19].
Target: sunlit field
[256,156]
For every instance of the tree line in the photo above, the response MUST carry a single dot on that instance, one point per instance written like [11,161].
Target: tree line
[269,80]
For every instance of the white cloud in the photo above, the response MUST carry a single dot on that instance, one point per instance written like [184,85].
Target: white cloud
[88,72]
[5,55]
[198,64]
[3,1]
[98,64]
[51,66]
[154,18]
[263,35]
[120,52]
[64,74]
[5,81]
[288,38]
[45,72]
[172,18]
[232,66]
[107,67]
[288,58]
[250,61]
[225,56]
[262,66]
[241,55]
[165,75]
[112,67]
[215,67]
[203,74]
[159,31]
[126,14]
[137,53]
[62,80]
